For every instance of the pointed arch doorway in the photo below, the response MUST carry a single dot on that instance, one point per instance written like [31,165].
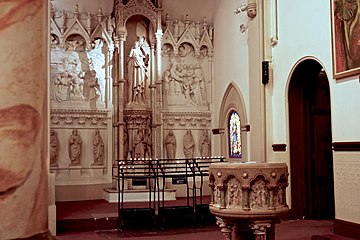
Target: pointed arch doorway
[311,163]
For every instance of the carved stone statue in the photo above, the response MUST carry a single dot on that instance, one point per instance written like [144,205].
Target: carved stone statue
[189,144]
[139,150]
[148,143]
[75,145]
[170,144]
[99,149]
[137,74]
[54,142]
[204,144]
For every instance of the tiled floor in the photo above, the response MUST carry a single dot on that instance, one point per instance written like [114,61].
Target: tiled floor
[79,214]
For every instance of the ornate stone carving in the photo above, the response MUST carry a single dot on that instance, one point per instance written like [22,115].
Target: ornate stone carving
[54,148]
[186,120]
[188,144]
[233,193]
[98,149]
[204,144]
[85,118]
[75,148]
[170,145]
[251,201]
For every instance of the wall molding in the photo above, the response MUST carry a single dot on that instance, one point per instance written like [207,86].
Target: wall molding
[346,146]
[346,229]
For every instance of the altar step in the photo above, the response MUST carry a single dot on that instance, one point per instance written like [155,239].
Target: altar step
[138,195]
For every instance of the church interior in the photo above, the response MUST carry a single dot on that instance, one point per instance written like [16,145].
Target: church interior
[234,114]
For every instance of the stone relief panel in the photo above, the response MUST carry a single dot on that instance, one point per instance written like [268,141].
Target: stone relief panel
[259,194]
[233,193]
[187,59]
[81,55]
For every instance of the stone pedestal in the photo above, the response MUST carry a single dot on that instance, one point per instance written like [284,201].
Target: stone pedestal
[248,198]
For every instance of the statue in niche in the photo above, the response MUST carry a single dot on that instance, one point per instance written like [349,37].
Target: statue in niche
[148,143]
[137,73]
[54,143]
[75,145]
[189,144]
[170,144]
[204,144]
[139,148]
[99,149]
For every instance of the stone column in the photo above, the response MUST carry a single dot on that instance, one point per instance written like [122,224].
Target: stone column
[24,118]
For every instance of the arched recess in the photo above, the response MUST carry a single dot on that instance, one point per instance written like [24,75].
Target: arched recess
[310,141]
[233,100]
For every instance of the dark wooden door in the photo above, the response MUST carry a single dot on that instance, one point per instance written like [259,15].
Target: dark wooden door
[311,174]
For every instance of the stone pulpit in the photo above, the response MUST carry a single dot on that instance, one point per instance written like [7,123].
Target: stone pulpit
[248,199]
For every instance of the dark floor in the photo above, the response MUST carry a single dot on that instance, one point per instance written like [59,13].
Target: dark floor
[98,220]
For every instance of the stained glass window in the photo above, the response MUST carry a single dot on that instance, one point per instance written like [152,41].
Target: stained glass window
[234,135]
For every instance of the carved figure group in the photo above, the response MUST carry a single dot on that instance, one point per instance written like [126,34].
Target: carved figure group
[142,144]
[188,80]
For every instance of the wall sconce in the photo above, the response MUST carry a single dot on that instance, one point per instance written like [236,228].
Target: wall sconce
[250,9]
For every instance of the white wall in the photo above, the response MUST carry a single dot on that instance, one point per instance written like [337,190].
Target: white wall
[305,31]
[231,61]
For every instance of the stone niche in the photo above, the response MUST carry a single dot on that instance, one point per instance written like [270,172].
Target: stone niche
[248,197]
[80,86]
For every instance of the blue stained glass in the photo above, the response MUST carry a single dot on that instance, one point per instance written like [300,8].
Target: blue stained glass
[235,145]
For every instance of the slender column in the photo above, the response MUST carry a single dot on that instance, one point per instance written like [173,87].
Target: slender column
[157,108]
[116,145]
[24,115]
[121,94]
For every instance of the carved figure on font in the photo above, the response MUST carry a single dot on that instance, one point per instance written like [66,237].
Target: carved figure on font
[170,144]
[189,144]
[75,145]
[99,148]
